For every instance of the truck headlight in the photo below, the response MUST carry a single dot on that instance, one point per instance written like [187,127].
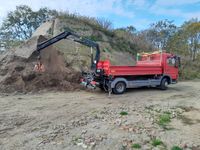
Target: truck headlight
[98,70]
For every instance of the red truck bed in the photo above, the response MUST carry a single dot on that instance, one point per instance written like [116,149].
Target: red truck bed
[141,68]
[134,70]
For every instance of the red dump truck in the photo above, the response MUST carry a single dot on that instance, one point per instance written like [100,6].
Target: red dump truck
[157,69]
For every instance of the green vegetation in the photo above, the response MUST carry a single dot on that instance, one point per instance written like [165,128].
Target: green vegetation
[190,69]
[123,113]
[99,24]
[136,146]
[176,148]
[95,37]
[164,119]
[156,142]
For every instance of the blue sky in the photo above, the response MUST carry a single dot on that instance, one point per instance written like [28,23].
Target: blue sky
[139,13]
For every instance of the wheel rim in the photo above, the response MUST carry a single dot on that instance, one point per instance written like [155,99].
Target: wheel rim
[120,87]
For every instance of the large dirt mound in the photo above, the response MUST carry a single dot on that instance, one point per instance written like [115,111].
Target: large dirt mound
[16,69]
[63,67]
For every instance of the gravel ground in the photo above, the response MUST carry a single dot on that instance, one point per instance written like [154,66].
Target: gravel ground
[141,118]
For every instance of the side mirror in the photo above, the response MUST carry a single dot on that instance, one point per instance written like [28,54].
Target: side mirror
[178,62]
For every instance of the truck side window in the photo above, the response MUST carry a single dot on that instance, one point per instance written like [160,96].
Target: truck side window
[171,61]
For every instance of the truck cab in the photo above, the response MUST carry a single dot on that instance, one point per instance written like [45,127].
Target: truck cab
[168,62]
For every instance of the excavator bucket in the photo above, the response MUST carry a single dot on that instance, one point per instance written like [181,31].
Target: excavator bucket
[39,67]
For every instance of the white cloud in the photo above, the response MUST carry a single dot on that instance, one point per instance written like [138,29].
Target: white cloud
[170,8]
[175,2]
[138,4]
[93,8]
[192,15]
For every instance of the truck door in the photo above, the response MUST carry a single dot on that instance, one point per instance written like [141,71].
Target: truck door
[171,67]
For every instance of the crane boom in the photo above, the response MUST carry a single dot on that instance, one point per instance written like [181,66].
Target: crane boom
[76,38]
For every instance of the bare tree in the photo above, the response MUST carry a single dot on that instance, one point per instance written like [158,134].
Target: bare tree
[106,24]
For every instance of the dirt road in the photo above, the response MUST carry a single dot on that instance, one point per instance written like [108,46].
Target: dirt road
[140,118]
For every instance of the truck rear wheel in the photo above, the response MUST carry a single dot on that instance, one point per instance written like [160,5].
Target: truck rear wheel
[120,88]
[164,84]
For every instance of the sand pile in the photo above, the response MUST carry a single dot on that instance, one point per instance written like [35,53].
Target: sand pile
[16,69]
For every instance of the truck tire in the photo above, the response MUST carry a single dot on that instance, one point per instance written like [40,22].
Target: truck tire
[164,84]
[120,87]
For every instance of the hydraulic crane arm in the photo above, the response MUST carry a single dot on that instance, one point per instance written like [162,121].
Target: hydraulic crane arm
[76,38]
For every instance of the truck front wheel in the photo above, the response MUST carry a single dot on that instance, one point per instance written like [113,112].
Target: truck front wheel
[120,88]
[164,84]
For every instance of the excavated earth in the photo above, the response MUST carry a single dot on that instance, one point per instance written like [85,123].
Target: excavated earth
[17,69]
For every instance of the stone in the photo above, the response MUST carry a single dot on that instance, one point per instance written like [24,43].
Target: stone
[84,146]
[84,132]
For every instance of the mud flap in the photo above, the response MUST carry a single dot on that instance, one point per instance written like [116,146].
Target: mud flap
[109,86]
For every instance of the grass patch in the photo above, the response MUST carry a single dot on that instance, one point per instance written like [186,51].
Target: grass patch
[176,148]
[136,146]
[164,119]
[157,142]
[123,113]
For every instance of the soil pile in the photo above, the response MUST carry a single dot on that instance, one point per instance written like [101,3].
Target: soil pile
[17,69]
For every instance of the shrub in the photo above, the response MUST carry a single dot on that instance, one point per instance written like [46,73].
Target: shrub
[156,142]
[164,119]
[136,146]
[176,148]
[123,113]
